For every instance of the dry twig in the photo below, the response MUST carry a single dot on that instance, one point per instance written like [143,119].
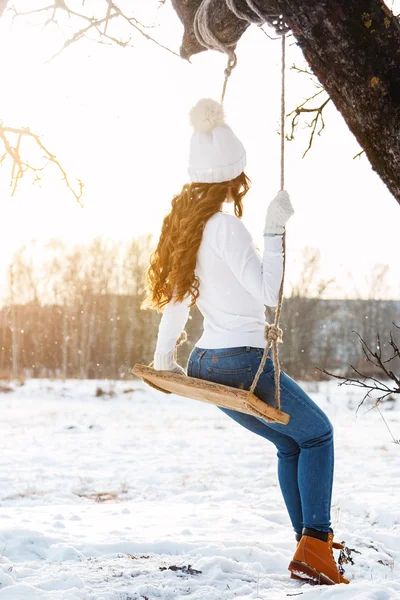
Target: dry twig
[98,25]
[100,496]
[368,382]
[305,108]
[359,154]
[317,120]
[21,166]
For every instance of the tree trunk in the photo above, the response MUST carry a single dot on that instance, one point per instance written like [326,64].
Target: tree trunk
[14,333]
[13,325]
[113,335]
[65,339]
[352,46]
[3,342]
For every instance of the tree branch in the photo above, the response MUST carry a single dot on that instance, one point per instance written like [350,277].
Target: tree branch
[20,166]
[304,109]
[378,356]
[368,382]
[138,26]
[98,25]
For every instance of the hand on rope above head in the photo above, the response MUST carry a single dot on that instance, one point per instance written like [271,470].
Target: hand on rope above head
[278,213]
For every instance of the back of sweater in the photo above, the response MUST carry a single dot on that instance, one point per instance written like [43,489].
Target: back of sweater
[235,284]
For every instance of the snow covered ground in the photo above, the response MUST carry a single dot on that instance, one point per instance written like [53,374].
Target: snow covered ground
[193,506]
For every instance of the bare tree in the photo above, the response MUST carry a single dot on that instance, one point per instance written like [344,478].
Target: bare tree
[13,324]
[376,389]
[380,364]
[371,314]
[3,346]
[65,339]
[78,313]
[303,318]
[23,288]
[56,293]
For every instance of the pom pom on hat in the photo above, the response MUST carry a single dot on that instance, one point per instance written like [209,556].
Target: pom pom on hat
[206,115]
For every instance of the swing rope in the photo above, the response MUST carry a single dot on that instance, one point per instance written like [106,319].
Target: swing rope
[209,40]
[206,37]
[273,333]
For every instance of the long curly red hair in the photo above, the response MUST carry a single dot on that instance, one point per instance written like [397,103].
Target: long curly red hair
[173,263]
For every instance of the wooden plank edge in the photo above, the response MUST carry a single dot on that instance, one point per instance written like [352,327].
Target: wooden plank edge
[250,400]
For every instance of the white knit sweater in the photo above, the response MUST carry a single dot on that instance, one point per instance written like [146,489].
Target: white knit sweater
[235,284]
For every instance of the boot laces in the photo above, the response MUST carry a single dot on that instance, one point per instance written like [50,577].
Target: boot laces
[330,544]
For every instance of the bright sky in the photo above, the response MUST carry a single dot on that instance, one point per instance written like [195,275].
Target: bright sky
[117,119]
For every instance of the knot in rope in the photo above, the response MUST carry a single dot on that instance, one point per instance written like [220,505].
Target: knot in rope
[249,12]
[232,62]
[182,338]
[204,34]
[273,334]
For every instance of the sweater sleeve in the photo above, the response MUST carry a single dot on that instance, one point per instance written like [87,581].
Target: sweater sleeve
[172,324]
[260,277]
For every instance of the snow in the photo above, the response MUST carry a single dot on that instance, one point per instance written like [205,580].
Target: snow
[187,488]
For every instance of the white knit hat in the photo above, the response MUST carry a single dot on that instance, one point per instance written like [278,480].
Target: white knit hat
[216,154]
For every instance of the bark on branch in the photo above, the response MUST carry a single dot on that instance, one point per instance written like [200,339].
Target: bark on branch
[352,46]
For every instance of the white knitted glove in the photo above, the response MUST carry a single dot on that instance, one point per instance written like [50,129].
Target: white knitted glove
[166,362]
[278,213]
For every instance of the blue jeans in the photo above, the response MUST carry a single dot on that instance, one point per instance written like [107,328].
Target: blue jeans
[304,445]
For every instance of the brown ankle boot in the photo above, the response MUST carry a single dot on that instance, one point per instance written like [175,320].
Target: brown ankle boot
[314,560]
[335,545]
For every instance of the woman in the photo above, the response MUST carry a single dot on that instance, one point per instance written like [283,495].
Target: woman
[207,257]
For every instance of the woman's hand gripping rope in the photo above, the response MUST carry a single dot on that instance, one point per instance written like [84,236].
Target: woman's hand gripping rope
[168,362]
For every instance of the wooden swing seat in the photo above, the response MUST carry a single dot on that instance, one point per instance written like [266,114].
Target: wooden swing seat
[207,391]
